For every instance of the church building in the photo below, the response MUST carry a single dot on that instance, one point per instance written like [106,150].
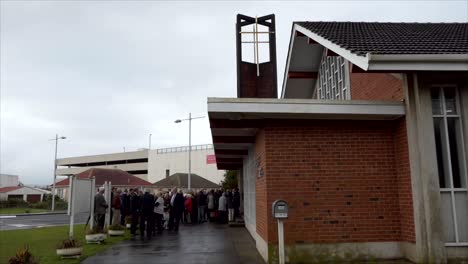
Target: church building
[367,142]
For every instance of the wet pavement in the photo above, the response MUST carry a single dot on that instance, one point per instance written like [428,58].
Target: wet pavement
[205,243]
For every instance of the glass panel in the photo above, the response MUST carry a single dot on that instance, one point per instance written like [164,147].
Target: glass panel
[461,207]
[456,154]
[450,103]
[441,151]
[447,216]
[435,97]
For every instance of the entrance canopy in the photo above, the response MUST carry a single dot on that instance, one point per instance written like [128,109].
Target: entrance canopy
[234,122]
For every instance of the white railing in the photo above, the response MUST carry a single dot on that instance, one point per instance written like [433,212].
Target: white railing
[184,148]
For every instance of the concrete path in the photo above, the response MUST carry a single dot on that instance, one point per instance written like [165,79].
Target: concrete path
[205,243]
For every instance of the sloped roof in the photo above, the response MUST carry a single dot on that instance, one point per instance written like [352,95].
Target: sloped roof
[180,180]
[115,176]
[361,38]
[9,188]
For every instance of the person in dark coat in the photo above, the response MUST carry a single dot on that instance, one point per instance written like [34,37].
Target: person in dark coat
[146,217]
[124,206]
[236,201]
[201,202]
[177,209]
[230,205]
[135,207]
[172,196]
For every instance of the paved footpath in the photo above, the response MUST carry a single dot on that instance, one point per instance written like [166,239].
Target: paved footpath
[205,243]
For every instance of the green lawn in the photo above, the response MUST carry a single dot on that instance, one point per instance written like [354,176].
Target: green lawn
[42,243]
[20,210]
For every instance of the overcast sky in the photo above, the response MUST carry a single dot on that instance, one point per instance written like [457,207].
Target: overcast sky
[107,74]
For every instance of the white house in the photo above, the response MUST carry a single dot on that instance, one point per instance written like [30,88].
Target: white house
[26,193]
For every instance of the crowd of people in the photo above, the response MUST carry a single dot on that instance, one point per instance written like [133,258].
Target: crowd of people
[151,213]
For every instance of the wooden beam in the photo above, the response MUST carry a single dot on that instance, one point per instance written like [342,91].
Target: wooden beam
[241,152]
[233,139]
[302,75]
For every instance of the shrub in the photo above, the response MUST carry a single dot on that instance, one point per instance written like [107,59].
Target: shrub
[23,256]
[94,230]
[68,243]
[116,227]
[13,203]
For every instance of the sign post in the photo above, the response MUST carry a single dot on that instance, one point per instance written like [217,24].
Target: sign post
[280,210]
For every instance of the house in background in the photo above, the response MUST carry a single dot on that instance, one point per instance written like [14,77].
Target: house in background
[180,181]
[368,142]
[118,178]
[26,193]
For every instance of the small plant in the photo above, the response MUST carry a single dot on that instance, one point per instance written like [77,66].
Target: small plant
[68,243]
[94,230]
[116,227]
[23,256]
[27,211]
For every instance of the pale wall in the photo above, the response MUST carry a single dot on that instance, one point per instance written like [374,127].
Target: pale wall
[178,162]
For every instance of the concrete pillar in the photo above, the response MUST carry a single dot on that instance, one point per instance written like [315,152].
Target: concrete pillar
[430,246]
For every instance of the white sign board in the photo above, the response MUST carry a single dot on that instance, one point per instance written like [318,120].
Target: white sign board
[83,191]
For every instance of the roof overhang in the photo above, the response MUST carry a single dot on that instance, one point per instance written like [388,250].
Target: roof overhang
[234,122]
[391,63]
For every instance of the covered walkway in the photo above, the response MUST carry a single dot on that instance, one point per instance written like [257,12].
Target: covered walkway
[205,243]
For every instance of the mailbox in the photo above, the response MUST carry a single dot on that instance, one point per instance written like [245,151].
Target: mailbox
[280,209]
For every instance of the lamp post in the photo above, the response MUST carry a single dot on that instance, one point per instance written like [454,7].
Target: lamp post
[149,147]
[190,146]
[55,169]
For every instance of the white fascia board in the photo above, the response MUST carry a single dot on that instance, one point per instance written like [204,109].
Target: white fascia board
[288,61]
[419,62]
[316,107]
[360,61]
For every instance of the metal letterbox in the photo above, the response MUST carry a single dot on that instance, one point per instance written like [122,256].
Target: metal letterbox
[280,209]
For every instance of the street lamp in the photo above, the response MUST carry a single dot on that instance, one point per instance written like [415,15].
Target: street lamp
[190,146]
[149,147]
[55,169]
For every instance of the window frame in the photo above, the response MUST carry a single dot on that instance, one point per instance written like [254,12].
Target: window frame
[452,190]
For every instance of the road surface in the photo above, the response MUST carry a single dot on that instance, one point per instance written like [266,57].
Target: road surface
[38,220]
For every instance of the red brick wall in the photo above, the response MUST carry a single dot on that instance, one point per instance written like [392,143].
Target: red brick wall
[340,179]
[261,206]
[404,182]
[376,86]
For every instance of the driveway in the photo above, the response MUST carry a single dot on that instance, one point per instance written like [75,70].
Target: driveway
[205,243]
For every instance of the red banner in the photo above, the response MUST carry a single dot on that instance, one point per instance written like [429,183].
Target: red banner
[210,159]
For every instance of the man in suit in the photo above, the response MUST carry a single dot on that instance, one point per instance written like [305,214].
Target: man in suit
[135,207]
[100,206]
[179,207]
[146,219]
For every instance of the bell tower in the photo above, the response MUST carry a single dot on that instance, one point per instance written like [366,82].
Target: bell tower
[256,57]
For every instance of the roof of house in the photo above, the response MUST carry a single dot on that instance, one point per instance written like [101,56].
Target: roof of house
[9,188]
[394,38]
[115,176]
[180,180]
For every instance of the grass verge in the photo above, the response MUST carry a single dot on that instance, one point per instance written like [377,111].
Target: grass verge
[42,243]
[20,210]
